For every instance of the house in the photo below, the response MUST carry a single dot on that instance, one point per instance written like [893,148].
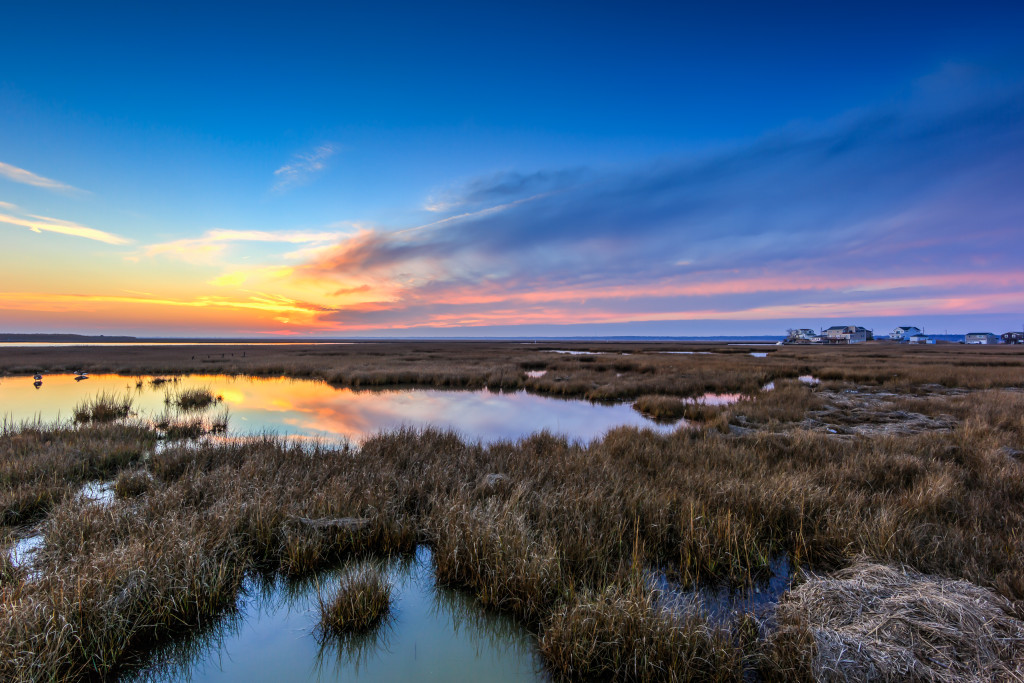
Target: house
[920,339]
[981,338]
[803,335]
[901,334]
[1013,337]
[847,334]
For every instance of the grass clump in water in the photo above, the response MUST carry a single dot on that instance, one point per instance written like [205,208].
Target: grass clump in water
[103,407]
[362,602]
[193,398]
[660,407]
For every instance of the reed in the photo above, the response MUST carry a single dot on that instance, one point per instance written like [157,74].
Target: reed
[103,408]
[191,398]
[554,532]
[361,602]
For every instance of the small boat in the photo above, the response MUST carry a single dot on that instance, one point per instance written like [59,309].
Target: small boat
[37,377]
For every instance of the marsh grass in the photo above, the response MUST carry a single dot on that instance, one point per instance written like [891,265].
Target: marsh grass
[103,407]
[360,603]
[667,408]
[191,398]
[550,531]
[132,483]
[876,622]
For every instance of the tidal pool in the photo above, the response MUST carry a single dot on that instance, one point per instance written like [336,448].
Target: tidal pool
[313,409]
[434,634]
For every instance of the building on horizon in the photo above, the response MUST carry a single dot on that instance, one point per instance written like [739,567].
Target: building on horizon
[847,334]
[980,338]
[904,333]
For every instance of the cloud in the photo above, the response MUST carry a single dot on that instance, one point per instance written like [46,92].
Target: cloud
[20,175]
[269,303]
[907,208]
[504,187]
[45,224]
[302,166]
[211,245]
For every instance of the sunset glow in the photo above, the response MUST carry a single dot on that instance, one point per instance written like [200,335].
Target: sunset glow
[225,192]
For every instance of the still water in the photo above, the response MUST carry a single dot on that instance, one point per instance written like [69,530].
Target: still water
[311,409]
[434,634]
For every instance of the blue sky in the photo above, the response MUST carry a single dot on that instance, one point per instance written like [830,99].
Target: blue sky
[476,169]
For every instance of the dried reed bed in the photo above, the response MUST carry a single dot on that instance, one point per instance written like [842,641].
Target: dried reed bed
[876,622]
[550,531]
[39,466]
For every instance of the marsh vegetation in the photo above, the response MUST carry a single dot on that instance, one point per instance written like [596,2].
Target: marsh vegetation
[564,536]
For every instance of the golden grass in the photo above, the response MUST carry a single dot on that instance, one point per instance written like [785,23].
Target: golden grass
[551,531]
[361,602]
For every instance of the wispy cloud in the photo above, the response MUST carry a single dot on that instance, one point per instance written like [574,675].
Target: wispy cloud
[211,245]
[45,224]
[302,167]
[20,175]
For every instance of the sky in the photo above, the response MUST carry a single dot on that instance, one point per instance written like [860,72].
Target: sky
[521,169]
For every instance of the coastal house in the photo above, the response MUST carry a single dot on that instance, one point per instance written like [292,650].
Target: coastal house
[847,334]
[981,338]
[1013,337]
[803,335]
[920,338]
[904,333]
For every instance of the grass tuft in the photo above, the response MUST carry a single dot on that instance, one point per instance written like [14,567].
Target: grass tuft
[361,603]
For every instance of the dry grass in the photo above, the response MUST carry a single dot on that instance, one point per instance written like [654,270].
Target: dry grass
[620,633]
[103,408]
[192,398]
[876,622]
[660,407]
[551,531]
[361,603]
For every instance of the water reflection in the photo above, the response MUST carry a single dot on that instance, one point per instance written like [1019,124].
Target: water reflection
[434,634]
[314,409]
[722,602]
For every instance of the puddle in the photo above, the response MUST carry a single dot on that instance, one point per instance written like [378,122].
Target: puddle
[23,552]
[434,634]
[757,354]
[101,492]
[536,373]
[310,409]
[721,603]
[573,353]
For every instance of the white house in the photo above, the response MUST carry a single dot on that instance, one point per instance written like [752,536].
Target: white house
[903,333]
[981,338]
[920,339]
[847,334]
[802,335]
